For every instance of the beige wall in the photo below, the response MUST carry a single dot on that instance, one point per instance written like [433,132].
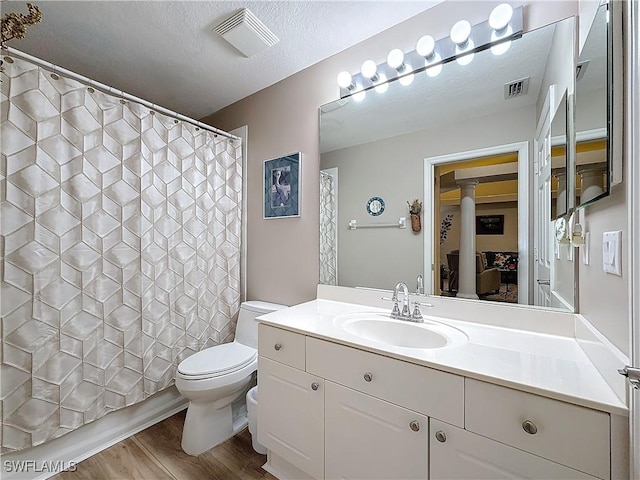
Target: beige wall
[603,296]
[282,259]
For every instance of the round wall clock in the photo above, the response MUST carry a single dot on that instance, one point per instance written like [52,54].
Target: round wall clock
[375,206]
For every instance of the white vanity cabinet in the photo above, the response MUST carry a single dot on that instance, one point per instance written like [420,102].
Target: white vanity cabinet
[367,438]
[327,410]
[290,402]
[291,415]
[571,435]
[457,454]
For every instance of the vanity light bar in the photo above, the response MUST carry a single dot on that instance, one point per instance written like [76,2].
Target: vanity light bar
[484,36]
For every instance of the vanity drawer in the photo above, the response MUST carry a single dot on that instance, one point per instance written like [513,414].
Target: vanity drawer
[281,345]
[568,434]
[421,389]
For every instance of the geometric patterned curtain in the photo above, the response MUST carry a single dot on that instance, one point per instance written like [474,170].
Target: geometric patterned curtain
[328,230]
[120,251]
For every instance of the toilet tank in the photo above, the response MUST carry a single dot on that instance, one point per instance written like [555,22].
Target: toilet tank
[247,327]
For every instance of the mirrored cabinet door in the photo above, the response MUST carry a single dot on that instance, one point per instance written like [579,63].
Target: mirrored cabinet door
[594,165]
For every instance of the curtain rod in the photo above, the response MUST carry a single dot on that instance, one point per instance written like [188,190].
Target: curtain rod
[113,91]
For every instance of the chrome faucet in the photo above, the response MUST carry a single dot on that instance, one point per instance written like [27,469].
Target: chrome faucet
[419,285]
[405,314]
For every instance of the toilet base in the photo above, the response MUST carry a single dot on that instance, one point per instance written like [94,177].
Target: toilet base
[206,426]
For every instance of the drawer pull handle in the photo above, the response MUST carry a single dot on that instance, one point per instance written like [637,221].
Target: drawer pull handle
[529,427]
[277,346]
[414,425]
[441,436]
[368,377]
[315,386]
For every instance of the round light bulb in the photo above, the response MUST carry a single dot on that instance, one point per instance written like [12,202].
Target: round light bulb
[465,54]
[395,58]
[465,59]
[425,46]
[406,80]
[344,80]
[435,70]
[382,85]
[368,69]
[500,16]
[460,32]
[501,48]
[360,94]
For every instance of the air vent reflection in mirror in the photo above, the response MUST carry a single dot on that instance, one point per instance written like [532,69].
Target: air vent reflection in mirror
[516,88]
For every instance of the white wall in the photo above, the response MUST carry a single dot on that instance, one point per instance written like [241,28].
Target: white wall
[393,169]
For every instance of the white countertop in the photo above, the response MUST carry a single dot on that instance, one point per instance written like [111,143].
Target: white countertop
[545,364]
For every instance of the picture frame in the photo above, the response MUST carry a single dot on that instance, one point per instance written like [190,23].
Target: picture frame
[281,186]
[489,224]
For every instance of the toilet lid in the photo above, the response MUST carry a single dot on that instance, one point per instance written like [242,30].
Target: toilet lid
[218,360]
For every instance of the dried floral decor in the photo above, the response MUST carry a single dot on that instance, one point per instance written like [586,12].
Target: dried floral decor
[14,25]
[414,209]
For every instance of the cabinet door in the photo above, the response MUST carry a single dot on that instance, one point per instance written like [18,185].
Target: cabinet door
[459,454]
[291,415]
[368,438]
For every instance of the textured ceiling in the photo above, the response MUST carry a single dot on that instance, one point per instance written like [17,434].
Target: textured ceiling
[167,53]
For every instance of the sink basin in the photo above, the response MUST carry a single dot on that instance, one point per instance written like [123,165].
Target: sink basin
[380,328]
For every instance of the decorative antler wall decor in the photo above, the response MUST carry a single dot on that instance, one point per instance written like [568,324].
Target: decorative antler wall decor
[14,25]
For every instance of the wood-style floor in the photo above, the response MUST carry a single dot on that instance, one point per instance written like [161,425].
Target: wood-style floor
[155,454]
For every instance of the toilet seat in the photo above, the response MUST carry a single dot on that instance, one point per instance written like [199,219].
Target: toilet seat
[217,361]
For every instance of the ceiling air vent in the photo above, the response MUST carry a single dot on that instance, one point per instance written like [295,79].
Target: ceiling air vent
[581,69]
[246,33]
[517,88]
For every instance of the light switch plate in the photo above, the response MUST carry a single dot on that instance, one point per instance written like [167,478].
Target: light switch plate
[612,252]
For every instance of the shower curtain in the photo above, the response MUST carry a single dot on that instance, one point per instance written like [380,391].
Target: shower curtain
[120,243]
[328,230]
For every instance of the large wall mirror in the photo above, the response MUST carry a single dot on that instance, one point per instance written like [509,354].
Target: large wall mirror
[473,124]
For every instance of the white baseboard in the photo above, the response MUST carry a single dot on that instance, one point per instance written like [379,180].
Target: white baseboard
[48,459]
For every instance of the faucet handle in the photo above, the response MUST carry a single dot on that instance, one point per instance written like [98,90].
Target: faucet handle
[395,313]
[417,314]
[425,304]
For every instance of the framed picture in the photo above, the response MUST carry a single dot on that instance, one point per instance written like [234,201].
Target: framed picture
[489,224]
[281,187]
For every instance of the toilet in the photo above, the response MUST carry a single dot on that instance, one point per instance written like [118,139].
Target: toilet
[213,380]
